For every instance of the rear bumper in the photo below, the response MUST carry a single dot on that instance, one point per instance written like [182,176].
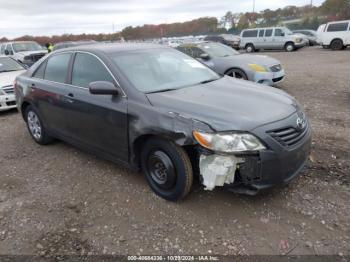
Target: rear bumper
[7,102]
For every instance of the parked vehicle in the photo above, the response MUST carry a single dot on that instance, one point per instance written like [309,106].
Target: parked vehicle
[9,69]
[311,35]
[225,60]
[25,52]
[154,108]
[274,38]
[226,39]
[67,44]
[335,35]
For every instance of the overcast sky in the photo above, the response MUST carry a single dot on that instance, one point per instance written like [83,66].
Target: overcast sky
[50,17]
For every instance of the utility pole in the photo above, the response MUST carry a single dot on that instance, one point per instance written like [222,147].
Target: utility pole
[311,3]
[253,6]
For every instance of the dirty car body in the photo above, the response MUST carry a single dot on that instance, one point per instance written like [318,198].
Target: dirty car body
[169,115]
[224,60]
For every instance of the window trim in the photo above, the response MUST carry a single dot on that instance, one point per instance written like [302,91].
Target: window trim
[70,67]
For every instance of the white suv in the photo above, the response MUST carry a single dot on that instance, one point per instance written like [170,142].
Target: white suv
[335,35]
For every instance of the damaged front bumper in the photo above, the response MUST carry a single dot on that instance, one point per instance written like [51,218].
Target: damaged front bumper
[252,173]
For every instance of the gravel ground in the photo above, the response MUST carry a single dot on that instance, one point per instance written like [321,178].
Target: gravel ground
[59,200]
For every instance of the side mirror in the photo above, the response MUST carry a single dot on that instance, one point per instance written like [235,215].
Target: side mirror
[283,34]
[6,52]
[205,56]
[103,88]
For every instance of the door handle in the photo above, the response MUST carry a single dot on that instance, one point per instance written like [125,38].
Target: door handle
[68,99]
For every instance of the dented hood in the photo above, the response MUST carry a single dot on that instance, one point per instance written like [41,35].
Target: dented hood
[228,104]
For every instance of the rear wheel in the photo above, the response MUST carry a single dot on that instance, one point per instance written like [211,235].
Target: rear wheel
[249,48]
[337,44]
[167,168]
[36,128]
[237,73]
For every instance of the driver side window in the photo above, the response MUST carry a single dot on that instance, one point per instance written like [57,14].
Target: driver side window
[87,69]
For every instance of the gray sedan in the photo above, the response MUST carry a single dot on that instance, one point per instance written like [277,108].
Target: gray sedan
[225,60]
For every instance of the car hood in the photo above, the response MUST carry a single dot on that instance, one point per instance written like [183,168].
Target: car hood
[252,59]
[25,53]
[7,78]
[228,104]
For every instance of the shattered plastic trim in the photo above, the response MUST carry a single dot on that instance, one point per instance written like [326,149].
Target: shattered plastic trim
[217,170]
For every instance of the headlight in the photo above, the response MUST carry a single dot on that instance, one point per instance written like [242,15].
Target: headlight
[27,58]
[2,93]
[257,68]
[228,142]
[298,40]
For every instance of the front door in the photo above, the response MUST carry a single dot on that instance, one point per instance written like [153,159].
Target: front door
[96,121]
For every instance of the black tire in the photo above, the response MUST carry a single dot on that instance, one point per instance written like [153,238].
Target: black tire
[237,73]
[34,121]
[249,48]
[337,44]
[167,169]
[289,47]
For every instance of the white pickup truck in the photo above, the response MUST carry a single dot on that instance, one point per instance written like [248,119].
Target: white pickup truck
[334,35]
[25,52]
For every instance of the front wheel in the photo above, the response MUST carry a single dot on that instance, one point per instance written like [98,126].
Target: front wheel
[250,48]
[167,169]
[290,47]
[237,73]
[36,128]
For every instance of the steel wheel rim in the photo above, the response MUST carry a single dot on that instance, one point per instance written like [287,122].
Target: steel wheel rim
[34,125]
[161,169]
[289,48]
[249,49]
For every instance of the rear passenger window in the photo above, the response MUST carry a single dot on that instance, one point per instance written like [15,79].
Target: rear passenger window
[87,69]
[56,68]
[338,27]
[250,33]
[268,32]
[261,33]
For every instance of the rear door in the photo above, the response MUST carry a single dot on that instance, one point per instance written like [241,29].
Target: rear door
[48,88]
[96,121]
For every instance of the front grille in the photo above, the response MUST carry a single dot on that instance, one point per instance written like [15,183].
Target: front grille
[277,79]
[8,90]
[12,103]
[276,68]
[36,57]
[288,136]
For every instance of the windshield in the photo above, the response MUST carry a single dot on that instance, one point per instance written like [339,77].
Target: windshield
[8,64]
[287,31]
[28,46]
[217,50]
[157,70]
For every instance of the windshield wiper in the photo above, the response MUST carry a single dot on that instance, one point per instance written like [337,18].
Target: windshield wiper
[161,91]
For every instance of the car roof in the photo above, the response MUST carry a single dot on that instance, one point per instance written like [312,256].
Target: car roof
[112,47]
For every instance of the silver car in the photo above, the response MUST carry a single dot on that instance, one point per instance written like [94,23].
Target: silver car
[272,38]
[9,70]
[225,60]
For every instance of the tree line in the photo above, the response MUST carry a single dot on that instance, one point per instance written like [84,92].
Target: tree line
[309,17]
